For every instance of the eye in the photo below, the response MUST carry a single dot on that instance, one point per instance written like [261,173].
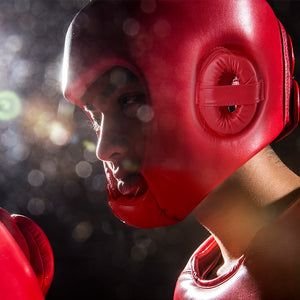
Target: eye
[130,103]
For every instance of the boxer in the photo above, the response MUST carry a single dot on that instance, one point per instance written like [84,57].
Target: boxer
[185,97]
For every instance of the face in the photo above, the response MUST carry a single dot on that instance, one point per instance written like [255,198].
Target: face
[116,104]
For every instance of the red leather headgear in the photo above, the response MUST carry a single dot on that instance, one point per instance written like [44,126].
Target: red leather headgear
[219,77]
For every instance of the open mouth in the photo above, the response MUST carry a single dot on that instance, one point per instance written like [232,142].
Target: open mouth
[131,185]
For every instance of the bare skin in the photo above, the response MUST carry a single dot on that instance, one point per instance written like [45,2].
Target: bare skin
[112,103]
[245,202]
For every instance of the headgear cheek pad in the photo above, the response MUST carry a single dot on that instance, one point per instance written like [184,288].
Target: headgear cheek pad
[219,78]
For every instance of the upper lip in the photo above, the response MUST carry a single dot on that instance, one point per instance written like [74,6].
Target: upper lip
[117,174]
[118,171]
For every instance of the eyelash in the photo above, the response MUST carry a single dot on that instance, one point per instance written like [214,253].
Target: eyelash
[128,101]
[96,124]
[137,97]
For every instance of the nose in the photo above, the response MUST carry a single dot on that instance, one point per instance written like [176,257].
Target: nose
[112,142]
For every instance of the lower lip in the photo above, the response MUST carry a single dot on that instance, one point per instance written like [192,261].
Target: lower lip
[133,185]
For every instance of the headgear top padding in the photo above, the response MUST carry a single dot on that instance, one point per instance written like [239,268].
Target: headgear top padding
[218,75]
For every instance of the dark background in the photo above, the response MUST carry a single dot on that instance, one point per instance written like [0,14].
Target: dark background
[48,170]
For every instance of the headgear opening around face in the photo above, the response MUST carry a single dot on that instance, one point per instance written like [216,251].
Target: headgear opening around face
[218,76]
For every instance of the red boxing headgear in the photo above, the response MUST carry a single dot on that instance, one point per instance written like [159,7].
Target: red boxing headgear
[218,74]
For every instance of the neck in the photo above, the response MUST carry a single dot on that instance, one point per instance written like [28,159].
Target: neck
[246,201]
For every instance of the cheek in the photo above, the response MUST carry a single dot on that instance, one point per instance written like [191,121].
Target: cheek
[137,136]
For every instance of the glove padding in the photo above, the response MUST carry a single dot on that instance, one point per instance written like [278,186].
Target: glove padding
[26,258]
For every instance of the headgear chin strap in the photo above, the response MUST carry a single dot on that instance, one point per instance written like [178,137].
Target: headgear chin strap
[219,74]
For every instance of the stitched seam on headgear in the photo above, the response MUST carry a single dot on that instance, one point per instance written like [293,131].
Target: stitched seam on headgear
[287,75]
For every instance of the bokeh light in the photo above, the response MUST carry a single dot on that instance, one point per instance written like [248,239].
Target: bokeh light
[36,206]
[35,178]
[83,169]
[10,105]
[59,134]
[82,231]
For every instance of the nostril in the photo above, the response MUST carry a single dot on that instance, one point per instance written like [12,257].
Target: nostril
[114,155]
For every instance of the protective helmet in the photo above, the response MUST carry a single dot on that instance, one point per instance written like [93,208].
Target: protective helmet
[219,76]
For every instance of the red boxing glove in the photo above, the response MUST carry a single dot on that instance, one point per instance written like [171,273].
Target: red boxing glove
[26,259]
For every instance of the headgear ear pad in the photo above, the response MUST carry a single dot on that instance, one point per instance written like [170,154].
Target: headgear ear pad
[218,75]
[229,89]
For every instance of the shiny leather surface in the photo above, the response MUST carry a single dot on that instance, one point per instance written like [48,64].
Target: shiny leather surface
[26,259]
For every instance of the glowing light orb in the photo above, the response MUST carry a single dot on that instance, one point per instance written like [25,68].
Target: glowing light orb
[59,135]
[82,231]
[83,169]
[90,146]
[10,105]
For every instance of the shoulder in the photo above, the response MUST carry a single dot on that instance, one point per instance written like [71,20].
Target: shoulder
[282,234]
[273,257]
